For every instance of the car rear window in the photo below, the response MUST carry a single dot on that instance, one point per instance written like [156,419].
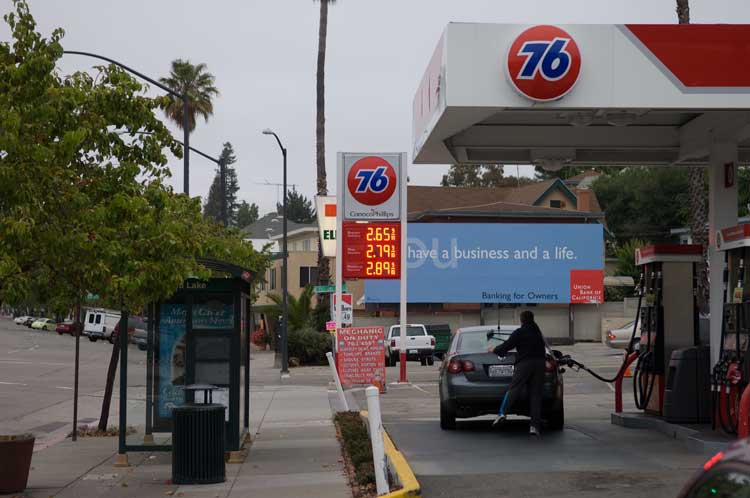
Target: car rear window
[477,341]
[410,331]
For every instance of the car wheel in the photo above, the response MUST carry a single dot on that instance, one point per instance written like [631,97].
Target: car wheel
[92,339]
[142,347]
[556,420]
[447,418]
[423,361]
[430,361]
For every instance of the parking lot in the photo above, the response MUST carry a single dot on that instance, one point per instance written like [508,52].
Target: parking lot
[589,458]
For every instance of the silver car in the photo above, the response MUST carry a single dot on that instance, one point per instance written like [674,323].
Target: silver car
[619,338]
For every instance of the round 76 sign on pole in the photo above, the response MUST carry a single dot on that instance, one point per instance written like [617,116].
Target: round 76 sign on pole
[371,194]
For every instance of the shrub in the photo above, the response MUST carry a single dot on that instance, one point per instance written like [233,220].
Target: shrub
[258,338]
[309,346]
[357,444]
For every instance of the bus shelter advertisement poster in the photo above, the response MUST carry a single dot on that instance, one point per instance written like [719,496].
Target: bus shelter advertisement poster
[172,326]
[499,263]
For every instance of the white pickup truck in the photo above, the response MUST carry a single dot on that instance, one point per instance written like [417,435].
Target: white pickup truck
[419,344]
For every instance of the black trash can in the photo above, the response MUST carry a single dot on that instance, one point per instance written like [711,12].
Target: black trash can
[198,444]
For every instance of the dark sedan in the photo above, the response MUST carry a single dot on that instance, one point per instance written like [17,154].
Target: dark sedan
[473,381]
[725,475]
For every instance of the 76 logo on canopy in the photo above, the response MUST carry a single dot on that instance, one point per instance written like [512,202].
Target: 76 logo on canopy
[543,63]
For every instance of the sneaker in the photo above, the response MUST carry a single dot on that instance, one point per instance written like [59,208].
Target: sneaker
[499,419]
[533,431]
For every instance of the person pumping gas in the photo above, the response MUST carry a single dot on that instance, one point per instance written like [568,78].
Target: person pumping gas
[530,346]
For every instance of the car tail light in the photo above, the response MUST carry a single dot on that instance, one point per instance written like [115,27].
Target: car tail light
[713,460]
[611,336]
[455,366]
[432,341]
[393,343]
[468,366]
[550,366]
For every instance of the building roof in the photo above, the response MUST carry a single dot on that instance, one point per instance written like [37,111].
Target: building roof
[512,201]
[270,226]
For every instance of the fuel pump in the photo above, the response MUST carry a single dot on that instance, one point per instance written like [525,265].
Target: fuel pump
[669,319]
[731,374]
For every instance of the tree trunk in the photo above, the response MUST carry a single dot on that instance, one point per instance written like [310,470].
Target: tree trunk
[320,131]
[111,371]
[698,211]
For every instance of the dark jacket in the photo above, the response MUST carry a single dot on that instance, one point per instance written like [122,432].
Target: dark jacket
[528,342]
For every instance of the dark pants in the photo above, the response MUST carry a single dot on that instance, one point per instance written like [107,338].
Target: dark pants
[528,374]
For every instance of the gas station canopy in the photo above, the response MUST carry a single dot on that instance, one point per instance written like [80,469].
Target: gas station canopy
[584,95]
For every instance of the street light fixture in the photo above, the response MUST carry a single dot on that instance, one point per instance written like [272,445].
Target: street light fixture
[284,267]
[185,103]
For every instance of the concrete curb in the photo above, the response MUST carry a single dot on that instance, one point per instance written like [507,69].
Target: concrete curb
[400,468]
[691,438]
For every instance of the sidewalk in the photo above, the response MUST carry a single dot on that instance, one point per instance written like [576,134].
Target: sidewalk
[294,453]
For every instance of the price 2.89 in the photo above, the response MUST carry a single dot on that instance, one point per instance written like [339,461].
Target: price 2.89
[381,268]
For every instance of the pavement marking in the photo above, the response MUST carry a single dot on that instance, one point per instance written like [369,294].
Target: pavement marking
[63,387]
[415,386]
[13,384]
[17,362]
[609,385]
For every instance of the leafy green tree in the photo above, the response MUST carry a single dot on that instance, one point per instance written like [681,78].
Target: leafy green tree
[298,208]
[644,202]
[198,84]
[482,175]
[571,171]
[212,207]
[300,309]
[83,205]
[247,214]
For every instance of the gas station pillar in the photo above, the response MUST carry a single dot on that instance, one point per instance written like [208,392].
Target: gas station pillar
[722,213]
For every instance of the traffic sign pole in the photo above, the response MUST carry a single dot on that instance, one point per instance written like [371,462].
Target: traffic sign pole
[404,260]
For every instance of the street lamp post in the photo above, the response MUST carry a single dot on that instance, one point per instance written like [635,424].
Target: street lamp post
[185,105]
[284,267]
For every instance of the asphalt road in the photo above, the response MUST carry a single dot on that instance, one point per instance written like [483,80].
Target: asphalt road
[36,380]
[589,458]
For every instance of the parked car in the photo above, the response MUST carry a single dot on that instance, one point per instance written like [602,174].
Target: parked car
[136,325]
[65,327]
[419,344]
[29,320]
[620,338]
[140,336]
[442,334]
[21,320]
[99,324]
[726,474]
[44,324]
[473,381]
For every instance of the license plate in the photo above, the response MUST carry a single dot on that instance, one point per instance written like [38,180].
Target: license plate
[501,371]
[412,351]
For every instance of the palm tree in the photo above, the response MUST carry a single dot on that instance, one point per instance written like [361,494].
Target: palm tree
[195,82]
[698,213]
[320,130]
[300,309]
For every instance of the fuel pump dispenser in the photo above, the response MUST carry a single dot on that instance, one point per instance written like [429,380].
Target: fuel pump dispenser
[668,323]
[731,374]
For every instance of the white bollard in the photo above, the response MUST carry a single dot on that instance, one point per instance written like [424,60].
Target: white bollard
[376,436]
[336,379]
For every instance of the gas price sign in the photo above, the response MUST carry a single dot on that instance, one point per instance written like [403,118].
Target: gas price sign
[371,250]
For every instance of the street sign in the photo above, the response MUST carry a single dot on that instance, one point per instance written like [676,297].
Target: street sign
[371,186]
[371,250]
[326,289]
[361,356]
[347,311]
[331,326]
[543,63]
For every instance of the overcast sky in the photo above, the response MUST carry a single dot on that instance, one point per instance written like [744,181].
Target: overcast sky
[263,54]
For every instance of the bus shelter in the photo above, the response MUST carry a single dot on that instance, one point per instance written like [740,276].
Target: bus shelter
[594,95]
[200,335]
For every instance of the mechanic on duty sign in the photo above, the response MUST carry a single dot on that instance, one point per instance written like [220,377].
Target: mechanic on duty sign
[371,186]
[360,356]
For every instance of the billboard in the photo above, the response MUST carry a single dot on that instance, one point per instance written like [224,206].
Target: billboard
[499,263]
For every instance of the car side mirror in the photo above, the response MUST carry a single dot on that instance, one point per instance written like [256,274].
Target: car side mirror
[490,334]
[557,354]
